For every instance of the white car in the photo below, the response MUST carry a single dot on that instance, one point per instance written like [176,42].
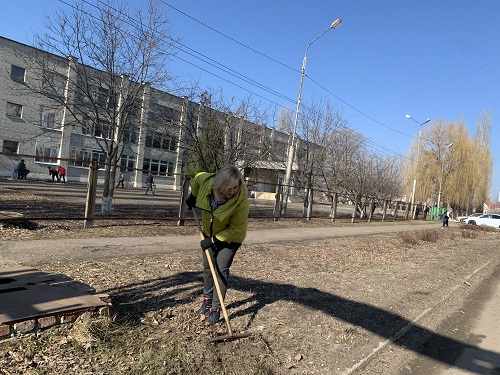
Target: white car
[464,219]
[489,220]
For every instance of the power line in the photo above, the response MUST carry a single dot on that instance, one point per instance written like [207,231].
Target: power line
[295,70]
[232,39]
[134,23]
[363,113]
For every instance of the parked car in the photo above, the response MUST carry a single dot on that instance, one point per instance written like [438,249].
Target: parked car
[489,220]
[463,219]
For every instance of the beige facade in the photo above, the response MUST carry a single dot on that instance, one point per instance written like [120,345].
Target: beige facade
[44,133]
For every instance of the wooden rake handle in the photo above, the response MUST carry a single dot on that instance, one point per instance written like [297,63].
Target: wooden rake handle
[214,276]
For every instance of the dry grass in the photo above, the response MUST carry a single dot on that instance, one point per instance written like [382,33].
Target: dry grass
[304,302]
[415,238]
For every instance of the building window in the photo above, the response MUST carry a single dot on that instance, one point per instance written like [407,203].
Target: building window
[46,152]
[14,110]
[127,163]
[102,98]
[49,84]
[101,130]
[83,156]
[49,118]
[161,141]
[17,73]
[168,143]
[158,167]
[161,114]
[10,146]
[130,134]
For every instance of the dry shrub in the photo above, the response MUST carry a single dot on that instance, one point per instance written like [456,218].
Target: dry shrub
[90,330]
[468,233]
[408,238]
[485,228]
[480,228]
[428,235]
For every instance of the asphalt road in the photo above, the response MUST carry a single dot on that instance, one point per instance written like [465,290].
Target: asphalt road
[467,341]
[34,251]
[484,323]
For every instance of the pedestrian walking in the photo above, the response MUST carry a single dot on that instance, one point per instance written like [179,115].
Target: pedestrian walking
[62,173]
[426,211]
[446,217]
[121,178]
[222,198]
[149,183]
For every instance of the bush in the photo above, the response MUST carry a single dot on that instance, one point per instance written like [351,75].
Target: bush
[481,228]
[428,235]
[408,238]
[468,233]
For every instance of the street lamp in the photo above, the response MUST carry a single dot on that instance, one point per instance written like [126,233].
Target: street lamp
[441,177]
[416,164]
[291,150]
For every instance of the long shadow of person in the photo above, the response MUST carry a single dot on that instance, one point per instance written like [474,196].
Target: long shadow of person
[183,288]
[393,327]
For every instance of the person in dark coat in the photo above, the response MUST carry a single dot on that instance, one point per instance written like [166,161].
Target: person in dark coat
[149,184]
[426,211]
[22,172]
[54,174]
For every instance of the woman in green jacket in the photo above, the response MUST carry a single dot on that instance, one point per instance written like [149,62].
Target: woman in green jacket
[222,198]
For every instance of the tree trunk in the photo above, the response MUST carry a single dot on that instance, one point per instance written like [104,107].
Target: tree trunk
[355,208]
[333,207]
[108,188]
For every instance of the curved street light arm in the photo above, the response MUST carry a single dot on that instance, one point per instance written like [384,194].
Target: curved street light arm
[291,151]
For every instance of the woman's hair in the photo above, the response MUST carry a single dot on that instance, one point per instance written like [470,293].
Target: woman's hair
[226,177]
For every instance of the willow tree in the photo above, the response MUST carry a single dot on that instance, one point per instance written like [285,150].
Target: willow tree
[454,167]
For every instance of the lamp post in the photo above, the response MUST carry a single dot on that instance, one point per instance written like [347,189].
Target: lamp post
[416,164]
[291,148]
[441,177]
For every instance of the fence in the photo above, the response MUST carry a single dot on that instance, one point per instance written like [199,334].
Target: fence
[42,200]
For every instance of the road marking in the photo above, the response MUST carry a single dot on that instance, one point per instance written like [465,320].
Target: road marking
[405,329]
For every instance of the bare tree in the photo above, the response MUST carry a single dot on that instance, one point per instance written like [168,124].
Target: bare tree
[219,131]
[319,122]
[115,54]
[285,119]
[484,160]
[339,165]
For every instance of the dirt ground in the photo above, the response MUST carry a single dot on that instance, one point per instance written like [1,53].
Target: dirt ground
[312,307]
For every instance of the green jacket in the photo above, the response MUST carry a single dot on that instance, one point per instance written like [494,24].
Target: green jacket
[229,221]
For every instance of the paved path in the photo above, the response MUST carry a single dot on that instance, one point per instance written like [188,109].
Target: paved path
[34,251]
[486,328]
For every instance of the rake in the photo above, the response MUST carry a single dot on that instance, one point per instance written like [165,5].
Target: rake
[230,334]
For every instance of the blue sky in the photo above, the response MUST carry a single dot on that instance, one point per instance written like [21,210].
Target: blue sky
[436,59]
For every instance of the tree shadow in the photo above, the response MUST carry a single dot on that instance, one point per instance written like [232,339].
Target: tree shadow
[135,300]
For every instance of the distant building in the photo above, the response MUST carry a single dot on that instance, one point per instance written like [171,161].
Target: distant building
[40,130]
